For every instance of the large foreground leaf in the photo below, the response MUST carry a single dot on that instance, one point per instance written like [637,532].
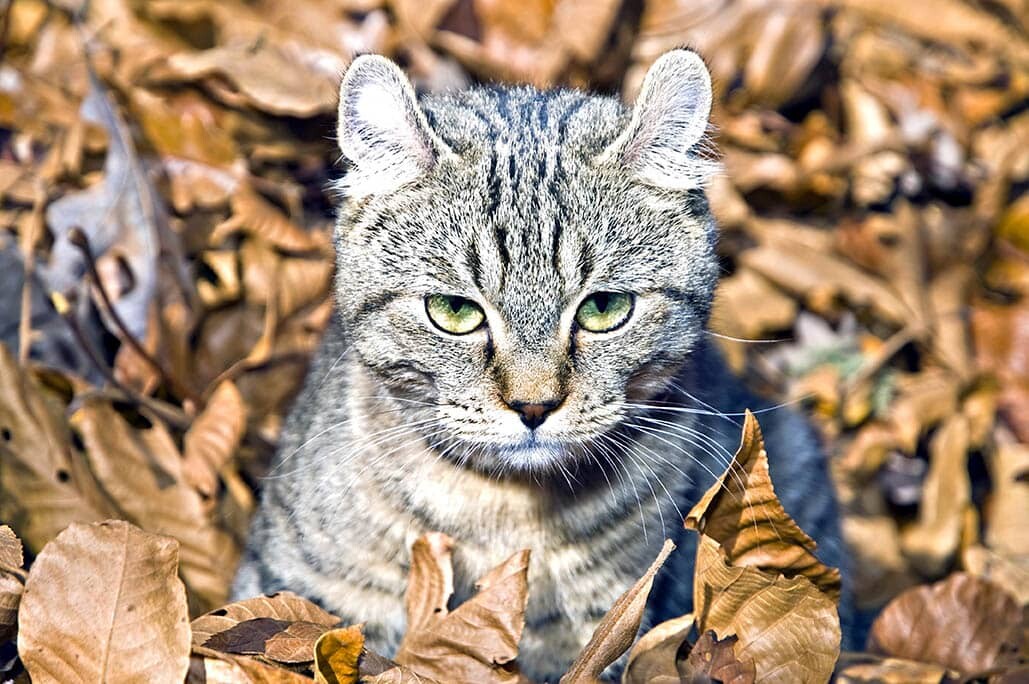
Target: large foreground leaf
[103,603]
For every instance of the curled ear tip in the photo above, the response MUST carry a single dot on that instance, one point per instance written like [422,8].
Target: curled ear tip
[370,65]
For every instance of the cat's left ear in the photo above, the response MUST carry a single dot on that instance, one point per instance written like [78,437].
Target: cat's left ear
[382,130]
[662,144]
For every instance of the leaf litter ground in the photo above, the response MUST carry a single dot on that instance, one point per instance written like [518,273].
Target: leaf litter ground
[165,263]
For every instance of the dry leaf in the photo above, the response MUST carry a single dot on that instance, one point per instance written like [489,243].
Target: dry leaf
[477,641]
[284,605]
[254,215]
[430,581]
[121,216]
[930,543]
[618,628]
[103,602]
[247,637]
[295,644]
[742,514]
[1008,508]
[141,470]
[214,667]
[653,658]
[872,670]
[963,623]
[713,659]
[213,438]
[44,484]
[11,553]
[1009,573]
[336,655]
[786,626]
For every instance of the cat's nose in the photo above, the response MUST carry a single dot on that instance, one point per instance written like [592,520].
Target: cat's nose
[534,413]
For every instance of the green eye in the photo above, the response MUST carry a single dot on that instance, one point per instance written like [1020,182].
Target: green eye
[604,311]
[455,315]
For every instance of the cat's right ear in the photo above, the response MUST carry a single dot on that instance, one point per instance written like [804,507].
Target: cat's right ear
[382,130]
[662,144]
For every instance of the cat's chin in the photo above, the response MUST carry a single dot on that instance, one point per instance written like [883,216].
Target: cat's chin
[533,455]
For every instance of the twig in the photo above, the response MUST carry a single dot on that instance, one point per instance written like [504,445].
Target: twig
[168,413]
[79,239]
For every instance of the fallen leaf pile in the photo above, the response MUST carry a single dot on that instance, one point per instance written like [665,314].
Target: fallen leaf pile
[165,270]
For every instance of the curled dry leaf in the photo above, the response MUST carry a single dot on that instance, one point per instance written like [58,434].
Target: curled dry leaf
[930,543]
[654,657]
[786,626]
[284,605]
[336,656]
[714,659]
[103,602]
[208,666]
[430,582]
[872,670]
[11,553]
[294,644]
[618,628]
[743,515]
[213,438]
[121,217]
[11,578]
[478,640]
[44,484]
[254,215]
[141,470]
[964,623]
[1009,573]
[1009,506]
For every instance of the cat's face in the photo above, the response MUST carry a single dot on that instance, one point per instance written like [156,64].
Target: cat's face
[519,269]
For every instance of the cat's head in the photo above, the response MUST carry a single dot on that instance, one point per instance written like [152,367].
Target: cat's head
[520,269]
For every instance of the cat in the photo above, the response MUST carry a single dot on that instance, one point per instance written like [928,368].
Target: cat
[518,359]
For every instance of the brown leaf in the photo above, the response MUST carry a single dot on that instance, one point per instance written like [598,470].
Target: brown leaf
[787,627]
[141,470]
[336,655]
[11,588]
[44,483]
[872,670]
[1009,573]
[295,644]
[713,659]
[654,656]
[121,216]
[618,628]
[11,554]
[247,637]
[254,215]
[742,514]
[284,605]
[282,80]
[1008,508]
[930,543]
[963,623]
[103,602]
[213,438]
[478,640]
[214,667]
[430,582]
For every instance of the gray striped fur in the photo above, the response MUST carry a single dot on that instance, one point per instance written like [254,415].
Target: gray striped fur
[525,202]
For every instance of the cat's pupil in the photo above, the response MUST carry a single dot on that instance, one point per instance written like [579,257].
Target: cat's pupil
[455,304]
[601,302]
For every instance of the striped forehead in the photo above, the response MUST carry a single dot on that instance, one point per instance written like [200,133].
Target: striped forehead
[527,254]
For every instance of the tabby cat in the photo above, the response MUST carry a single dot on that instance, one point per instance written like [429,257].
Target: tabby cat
[518,359]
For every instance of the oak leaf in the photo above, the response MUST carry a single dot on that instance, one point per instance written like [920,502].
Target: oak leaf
[103,602]
[714,659]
